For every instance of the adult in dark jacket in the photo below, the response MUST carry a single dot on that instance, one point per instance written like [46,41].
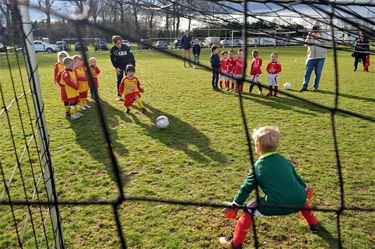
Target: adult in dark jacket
[121,57]
[186,47]
[361,50]
[215,67]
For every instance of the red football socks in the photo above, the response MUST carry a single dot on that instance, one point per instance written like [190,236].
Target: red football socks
[309,215]
[242,228]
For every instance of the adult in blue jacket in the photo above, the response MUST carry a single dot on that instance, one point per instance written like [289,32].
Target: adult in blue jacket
[186,47]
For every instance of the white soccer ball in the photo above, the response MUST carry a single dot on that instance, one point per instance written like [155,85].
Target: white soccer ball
[162,122]
[287,85]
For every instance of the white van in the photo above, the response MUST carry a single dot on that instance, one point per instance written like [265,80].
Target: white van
[211,41]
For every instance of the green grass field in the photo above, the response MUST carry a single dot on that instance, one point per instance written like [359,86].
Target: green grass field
[202,156]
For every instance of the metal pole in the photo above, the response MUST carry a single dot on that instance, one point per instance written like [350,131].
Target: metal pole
[48,174]
[232,37]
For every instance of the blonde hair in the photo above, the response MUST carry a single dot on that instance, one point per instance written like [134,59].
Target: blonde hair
[276,55]
[62,55]
[267,137]
[68,60]
[91,59]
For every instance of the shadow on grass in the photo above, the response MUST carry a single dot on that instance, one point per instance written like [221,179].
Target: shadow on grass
[349,96]
[89,134]
[180,135]
[327,236]
[284,103]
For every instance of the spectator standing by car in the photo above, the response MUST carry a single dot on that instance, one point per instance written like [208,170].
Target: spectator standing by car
[196,52]
[186,46]
[121,56]
[361,50]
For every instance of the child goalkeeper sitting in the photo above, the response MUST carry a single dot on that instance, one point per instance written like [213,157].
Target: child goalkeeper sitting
[285,192]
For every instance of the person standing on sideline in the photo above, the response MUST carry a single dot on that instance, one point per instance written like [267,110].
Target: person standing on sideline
[215,66]
[121,56]
[196,52]
[186,46]
[316,54]
[361,50]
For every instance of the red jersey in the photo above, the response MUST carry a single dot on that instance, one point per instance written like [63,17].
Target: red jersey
[239,66]
[69,80]
[94,72]
[274,67]
[59,67]
[231,62]
[130,86]
[256,66]
[223,65]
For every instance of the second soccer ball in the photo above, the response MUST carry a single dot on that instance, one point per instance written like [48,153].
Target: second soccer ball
[287,86]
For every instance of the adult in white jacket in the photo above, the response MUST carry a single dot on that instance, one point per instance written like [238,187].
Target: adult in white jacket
[316,41]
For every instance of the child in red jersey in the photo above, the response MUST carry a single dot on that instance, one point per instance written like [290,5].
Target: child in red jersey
[69,80]
[238,70]
[273,69]
[58,68]
[94,69]
[255,71]
[82,78]
[231,62]
[223,69]
[131,88]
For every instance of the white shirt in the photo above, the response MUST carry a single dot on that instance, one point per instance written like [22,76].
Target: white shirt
[315,43]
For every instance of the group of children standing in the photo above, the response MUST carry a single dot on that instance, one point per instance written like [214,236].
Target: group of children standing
[71,75]
[227,71]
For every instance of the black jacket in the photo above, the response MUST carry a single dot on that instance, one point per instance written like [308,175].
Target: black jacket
[215,61]
[186,42]
[361,46]
[197,49]
[121,57]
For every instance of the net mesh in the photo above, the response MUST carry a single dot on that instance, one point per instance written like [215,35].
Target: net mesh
[30,208]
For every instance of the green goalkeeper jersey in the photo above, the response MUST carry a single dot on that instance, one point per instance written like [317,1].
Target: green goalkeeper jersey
[280,184]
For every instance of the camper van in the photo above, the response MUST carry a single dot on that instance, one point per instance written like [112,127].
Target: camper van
[211,41]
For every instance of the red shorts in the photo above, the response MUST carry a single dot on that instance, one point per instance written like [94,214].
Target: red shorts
[63,96]
[73,101]
[130,98]
[83,95]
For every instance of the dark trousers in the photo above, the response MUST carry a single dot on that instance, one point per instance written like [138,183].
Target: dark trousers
[252,84]
[119,79]
[215,78]
[358,56]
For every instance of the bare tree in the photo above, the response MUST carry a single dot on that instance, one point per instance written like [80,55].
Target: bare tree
[46,6]
[134,4]
[94,8]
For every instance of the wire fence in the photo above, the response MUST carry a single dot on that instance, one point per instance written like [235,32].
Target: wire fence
[40,205]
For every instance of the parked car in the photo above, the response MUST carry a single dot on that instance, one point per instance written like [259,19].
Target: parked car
[126,42]
[2,47]
[230,43]
[62,45]
[176,44]
[40,46]
[211,41]
[100,44]
[161,44]
[146,44]
[79,46]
